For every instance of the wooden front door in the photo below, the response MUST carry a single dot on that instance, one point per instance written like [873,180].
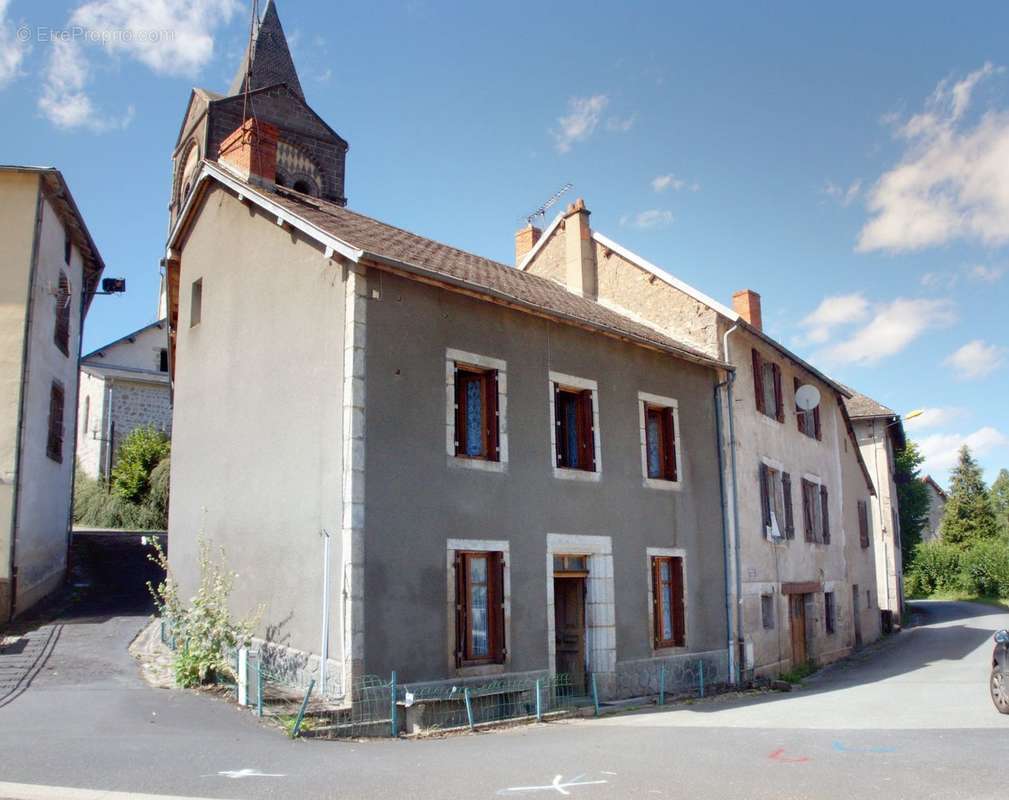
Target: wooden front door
[797,623]
[569,629]
[856,615]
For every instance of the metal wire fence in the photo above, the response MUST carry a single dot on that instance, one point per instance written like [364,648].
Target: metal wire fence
[689,674]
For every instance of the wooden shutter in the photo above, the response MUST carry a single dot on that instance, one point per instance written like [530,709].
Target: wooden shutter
[461,596]
[669,444]
[492,416]
[779,403]
[765,498]
[496,566]
[679,623]
[460,413]
[656,601]
[758,380]
[587,428]
[816,424]
[824,509]
[800,415]
[61,333]
[786,487]
[807,510]
[863,523]
[558,428]
[54,441]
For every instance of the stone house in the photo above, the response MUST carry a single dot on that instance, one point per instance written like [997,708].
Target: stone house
[932,531]
[792,503]
[124,386]
[880,434]
[513,478]
[51,267]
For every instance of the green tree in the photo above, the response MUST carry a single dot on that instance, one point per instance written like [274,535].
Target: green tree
[1000,500]
[138,455]
[912,498]
[969,516]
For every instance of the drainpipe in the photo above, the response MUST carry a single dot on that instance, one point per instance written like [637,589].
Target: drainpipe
[325,612]
[735,494]
[725,530]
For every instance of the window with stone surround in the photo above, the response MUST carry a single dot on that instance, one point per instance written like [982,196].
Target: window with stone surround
[815,504]
[767,611]
[777,518]
[476,405]
[829,612]
[660,452]
[479,608]
[575,416]
[767,387]
[668,616]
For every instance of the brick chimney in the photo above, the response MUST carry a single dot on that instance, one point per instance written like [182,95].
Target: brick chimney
[747,304]
[580,254]
[525,240]
[251,152]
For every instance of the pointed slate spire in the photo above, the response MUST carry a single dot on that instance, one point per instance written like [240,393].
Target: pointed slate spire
[270,55]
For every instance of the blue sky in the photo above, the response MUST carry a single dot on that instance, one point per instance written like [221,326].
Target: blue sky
[850,163]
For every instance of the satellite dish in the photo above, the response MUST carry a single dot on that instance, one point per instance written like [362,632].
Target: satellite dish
[807,397]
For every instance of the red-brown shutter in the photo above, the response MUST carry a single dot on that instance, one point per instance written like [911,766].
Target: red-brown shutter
[800,415]
[461,597]
[779,403]
[786,486]
[656,601]
[765,498]
[460,413]
[807,511]
[758,380]
[499,649]
[492,422]
[679,623]
[558,428]
[824,508]
[816,423]
[669,445]
[587,432]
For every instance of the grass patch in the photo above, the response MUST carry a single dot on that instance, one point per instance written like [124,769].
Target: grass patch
[799,673]
[966,597]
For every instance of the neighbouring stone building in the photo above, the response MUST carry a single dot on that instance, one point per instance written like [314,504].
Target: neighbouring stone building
[796,487]
[50,268]
[124,386]
[514,479]
[932,531]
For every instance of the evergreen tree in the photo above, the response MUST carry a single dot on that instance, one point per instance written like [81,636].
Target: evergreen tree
[912,498]
[969,516]
[1000,500]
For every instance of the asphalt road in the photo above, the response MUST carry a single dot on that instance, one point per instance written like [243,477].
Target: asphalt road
[910,718]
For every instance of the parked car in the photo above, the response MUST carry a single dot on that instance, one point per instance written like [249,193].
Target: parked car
[999,683]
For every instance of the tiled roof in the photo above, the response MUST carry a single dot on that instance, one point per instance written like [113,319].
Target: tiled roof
[859,405]
[387,243]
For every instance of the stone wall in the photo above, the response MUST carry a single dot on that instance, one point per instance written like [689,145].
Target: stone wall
[135,404]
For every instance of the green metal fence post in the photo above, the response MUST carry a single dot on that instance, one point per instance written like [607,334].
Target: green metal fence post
[595,694]
[701,675]
[662,684]
[469,709]
[301,712]
[539,705]
[394,732]
[259,685]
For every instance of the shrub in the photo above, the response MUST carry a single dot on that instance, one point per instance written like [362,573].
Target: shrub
[936,568]
[96,506]
[984,569]
[136,459]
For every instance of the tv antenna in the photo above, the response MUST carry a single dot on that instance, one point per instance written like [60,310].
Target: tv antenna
[541,212]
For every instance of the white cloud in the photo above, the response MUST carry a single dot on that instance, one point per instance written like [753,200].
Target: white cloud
[171,38]
[979,272]
[940,280]
[933,418]
[833,312]
[845,196]
[652,218]
[892,328]
[580,122]
[941,450]
[975,359]
[661,183]
[952,181]
[621,124]
[12,49]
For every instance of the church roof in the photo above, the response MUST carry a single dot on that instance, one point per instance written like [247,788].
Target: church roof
[270,57]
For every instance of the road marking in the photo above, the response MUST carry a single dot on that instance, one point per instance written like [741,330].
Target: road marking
[248,773]
[34,791]
[779,756]
[840,747]
[558,784]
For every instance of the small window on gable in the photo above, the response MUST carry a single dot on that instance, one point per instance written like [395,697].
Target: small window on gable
[476,413]
[196,303]
[815,506]
[660,443]
[776,503]
[480,611]
[61,329]
[808,422]
[767,387]
[667,602]
[54,440]
[68,248]
[863,523]
[767,611]
[163,360]
[829,612]
[575,428]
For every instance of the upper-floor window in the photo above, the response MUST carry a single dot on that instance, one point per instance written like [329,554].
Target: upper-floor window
[61,330]
[575,419]
[54,439]
[767,387]
[163,360]
[815,512]
[776,502]
[476,416]
[863,523]
[196,303]
[659,420]
[808,422]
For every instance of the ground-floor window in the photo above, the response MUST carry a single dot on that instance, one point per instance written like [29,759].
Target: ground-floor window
[829,612]
[667,598]
[479,608]
[767,611]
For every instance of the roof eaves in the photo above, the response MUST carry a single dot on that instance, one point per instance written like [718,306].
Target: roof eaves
[156,324]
